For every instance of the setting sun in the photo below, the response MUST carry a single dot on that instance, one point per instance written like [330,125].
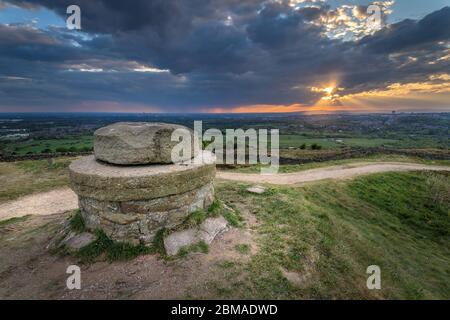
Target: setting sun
[328,90]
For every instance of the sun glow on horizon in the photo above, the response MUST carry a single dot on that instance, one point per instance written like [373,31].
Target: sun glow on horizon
[329,90]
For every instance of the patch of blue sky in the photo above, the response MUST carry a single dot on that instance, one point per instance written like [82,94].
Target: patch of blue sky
[402,9]
[41,18]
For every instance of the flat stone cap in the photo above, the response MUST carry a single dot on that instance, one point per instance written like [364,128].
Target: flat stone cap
[106,182]
[131,143]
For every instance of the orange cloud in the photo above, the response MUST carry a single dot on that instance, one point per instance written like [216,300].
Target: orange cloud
[260,108]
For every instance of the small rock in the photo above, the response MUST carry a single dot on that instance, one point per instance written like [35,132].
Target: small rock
[206,232]
[257,189]
[74,241]
[175,241]
[211,227]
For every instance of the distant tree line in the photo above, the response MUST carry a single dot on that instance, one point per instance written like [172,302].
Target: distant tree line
[314,146]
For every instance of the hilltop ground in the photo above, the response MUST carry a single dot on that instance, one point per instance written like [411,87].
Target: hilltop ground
[296,242]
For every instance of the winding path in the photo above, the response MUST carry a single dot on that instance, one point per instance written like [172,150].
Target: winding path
[347,171]
[44,203]
[62,200]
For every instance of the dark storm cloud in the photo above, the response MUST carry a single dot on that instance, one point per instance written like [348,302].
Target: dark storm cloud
[16,36]
[218,53]
[410,34]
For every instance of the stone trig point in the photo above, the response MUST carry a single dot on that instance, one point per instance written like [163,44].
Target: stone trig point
[130,188]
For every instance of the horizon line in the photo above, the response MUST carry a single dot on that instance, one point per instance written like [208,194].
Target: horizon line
[328,112]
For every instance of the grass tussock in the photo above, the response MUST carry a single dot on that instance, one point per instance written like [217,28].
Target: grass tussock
[76,222]
[111,250]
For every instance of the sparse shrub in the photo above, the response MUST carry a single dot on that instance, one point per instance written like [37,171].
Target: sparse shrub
[215,207]
[158,241]
[303,146]
[316,146]
[77,222]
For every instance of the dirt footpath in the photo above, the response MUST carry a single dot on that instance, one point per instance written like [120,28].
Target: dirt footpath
[45,203]
[334,172]
[62,200]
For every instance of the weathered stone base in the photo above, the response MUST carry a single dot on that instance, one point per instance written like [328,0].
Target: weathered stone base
[139,221]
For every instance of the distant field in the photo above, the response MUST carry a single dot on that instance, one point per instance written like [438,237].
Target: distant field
[84,143]
[69,144]
[296,141]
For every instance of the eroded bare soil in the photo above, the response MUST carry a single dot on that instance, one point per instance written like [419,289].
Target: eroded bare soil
[29,271]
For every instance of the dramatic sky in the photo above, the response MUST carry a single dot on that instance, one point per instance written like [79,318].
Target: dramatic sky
[224,56]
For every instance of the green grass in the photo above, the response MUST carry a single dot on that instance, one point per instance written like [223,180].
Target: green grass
[112,250]
[25,177]
[233,217]
[193,220]
[67,144]
[418,210]
[330,232]
[200,246]
[215,207]
[8,222]
[77,223]
[335,142]
[243,248]
[197,217]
